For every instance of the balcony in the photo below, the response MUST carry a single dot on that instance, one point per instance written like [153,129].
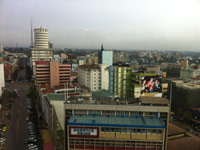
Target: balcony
[42,75]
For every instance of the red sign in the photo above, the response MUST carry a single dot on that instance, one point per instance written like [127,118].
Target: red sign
[42,62]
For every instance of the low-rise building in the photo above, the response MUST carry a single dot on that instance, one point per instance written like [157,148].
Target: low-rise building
[114,124]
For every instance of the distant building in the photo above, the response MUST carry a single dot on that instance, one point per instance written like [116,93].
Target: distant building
[150,69]
[2,79]
[41,38]
[1,49]
[41,50]
[105,57]
[123,81]
[8,70]
[89,76]
[63,57]
[22,62]
[173,70]
[93,77]
[91,59]
[111,79]
[52,73]
[187,74]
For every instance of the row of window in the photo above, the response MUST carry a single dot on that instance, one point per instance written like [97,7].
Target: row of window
[118,113]
[116,143]
[130,130]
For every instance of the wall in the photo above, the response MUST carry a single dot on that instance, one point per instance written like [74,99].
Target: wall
[2,79]
[59,108]
[54,74]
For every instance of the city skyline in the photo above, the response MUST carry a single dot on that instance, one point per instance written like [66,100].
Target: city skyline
[154,24]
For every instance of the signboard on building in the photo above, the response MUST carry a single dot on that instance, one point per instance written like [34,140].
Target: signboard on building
[86,132]
[41,62]
[151,86]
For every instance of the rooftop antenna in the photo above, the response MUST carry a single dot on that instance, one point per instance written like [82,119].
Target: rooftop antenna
[31,34]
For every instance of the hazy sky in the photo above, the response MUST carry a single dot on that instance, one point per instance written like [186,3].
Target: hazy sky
[119,24]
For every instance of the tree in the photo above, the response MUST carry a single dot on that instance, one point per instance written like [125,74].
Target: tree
[8,95]
[187,115]
[32,93]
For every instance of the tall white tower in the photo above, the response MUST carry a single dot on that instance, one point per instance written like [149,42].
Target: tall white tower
[1,49]
[41,38]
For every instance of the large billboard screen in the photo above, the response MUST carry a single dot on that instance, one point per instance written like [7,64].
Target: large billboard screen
[151,86]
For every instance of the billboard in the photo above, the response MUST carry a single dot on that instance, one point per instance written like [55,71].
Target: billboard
[85,132]
[151,86]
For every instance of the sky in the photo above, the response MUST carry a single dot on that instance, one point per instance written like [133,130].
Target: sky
[118,24]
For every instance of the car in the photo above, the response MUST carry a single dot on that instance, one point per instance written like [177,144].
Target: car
[25,141]
[2,139]
[4,129]
[2,143]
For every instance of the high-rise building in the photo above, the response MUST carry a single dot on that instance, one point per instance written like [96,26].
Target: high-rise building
[1,49]
[41,38]
[123,81]
[52,73]
[89,76]
[93,77]
[41,50]
[105,57]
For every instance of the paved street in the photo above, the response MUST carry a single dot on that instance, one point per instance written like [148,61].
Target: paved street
[17,130]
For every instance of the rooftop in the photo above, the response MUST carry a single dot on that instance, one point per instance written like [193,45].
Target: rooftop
[87,66]
[151,101]
[53,96]
[102,93]
[116,121]
[154,100]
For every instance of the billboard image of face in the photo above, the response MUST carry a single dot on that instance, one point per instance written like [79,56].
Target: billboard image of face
[151,84]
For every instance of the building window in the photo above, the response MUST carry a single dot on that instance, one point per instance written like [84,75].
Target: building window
[108,113]
[136,113]
[122,113]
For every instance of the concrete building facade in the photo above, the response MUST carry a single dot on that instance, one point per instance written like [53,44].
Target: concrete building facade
[52,73]
[98,124]
[93,77]
[187,74]
[41,38]
[105,57]
[89,76]
[123,81]
[41,50]
[2,79]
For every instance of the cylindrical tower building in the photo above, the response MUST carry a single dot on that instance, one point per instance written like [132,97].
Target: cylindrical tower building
[41,38]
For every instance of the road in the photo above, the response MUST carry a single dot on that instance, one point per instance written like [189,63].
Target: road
[17,130]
